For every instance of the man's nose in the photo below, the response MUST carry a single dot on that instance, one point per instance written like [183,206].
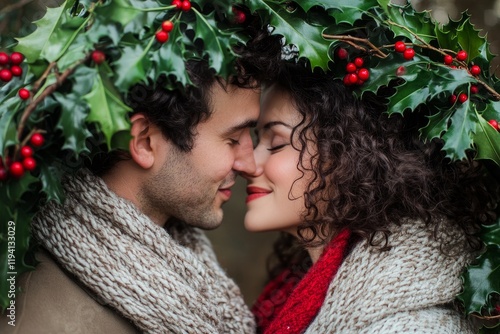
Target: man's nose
[244,161]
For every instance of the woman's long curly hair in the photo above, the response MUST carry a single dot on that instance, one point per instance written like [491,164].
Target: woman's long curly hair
[371,170]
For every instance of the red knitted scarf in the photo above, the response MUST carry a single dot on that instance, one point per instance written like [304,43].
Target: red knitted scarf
[288,303]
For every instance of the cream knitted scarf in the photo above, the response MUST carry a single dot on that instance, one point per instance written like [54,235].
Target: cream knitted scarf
[163,282]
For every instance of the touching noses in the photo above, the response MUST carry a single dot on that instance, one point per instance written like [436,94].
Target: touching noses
[246,160]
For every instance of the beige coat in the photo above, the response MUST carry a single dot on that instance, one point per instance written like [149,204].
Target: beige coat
[51,302]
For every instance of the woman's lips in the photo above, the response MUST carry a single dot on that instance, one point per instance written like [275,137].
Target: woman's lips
[256,192]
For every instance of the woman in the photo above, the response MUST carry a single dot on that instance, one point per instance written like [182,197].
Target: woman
[377,226]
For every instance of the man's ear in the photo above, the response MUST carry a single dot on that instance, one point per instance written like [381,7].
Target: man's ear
[140,146]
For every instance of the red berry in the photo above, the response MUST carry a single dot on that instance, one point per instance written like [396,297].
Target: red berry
[351,68]
[401,71]
[16,70]
[186,5]
[342,53]
[409,53]
[462,97]
[24,93]
[475,70]
[177,3]
[16,170]
[474,89]
[240,17]
[4,58]
[26,151]
[167,26]
[453,99]
[448,59]
[5,75]
[98,57]
[16,58]
[462,55]
[346,80]
[3,174]
[162,36]
[363,74]
[400,46]
[37,140]
[494,124]
[359,62]
[353,78]
[29,163]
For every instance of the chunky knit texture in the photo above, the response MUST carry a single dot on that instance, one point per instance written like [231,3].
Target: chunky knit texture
[408,289]
[163,282]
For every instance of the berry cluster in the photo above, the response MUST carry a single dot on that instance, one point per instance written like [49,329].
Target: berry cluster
[184,5]
[408,53]
[17,169]
[10,66]
[356,73]
[162,35]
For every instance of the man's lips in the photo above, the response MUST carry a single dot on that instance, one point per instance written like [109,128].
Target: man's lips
[226,191]
[256,192]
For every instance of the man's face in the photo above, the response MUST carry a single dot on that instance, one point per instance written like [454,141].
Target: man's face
[192,186]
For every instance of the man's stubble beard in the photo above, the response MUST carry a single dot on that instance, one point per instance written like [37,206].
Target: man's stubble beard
[179,191]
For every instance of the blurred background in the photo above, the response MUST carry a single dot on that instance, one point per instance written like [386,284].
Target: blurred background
[242,254]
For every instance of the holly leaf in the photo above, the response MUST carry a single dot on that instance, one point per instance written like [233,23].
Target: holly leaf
[438,124]
[72,122]
[131,67]
[422,81]
[8,128]
[296,30]
[405,21]
[132,15]
[481,280]
[469,39]
[214,45]
[54,33]
[490,234]
[168,59]
[51,181]
[458,138]
[360,5]
[106,108]
[487,141]
[446,36]
[344,11]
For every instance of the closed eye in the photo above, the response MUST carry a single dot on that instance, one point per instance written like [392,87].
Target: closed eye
[276,148]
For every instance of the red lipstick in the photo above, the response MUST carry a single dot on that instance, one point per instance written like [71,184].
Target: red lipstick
[256,192]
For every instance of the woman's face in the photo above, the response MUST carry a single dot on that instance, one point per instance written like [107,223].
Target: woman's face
[275,200]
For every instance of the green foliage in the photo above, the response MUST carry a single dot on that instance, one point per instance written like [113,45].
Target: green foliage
[293,26]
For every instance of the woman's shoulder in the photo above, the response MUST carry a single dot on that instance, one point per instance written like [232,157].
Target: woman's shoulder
[51,301]
[433,320]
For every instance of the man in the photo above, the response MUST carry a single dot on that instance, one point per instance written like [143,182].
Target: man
[122,254]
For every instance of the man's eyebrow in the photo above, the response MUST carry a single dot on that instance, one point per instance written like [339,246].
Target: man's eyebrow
[244,125]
